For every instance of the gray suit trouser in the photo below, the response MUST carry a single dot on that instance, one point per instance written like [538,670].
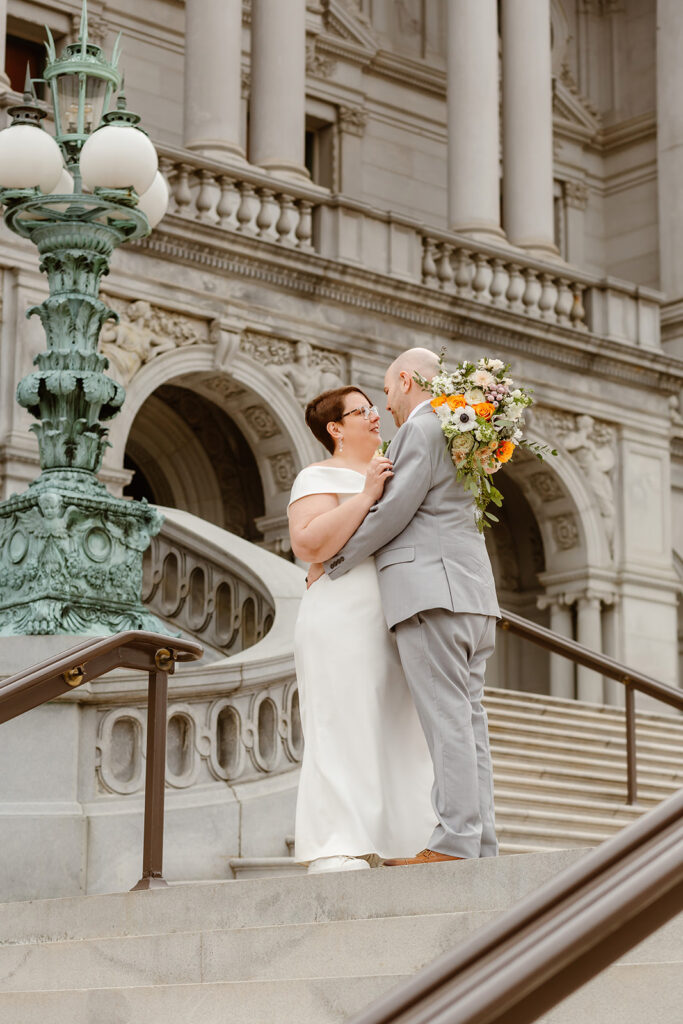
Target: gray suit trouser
[444,657]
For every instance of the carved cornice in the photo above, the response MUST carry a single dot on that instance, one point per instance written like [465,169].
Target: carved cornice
[313,276]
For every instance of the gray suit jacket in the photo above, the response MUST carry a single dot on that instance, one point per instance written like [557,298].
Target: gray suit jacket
[428,551]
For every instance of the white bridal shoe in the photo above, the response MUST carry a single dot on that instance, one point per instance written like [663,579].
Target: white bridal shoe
[316,867]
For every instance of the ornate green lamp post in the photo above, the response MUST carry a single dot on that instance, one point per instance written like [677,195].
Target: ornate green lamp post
[71,553]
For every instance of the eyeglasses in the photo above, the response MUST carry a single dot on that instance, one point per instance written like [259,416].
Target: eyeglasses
[366,411]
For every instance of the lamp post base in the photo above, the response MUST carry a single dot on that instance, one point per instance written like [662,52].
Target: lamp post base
[71,558]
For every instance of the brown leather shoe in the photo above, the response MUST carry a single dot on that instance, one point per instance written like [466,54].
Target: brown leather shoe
[423,857]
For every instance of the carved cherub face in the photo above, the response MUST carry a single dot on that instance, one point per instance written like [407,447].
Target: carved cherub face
[50,504]
[139,310]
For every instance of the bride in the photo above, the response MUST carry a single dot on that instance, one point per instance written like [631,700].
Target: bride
[366,774]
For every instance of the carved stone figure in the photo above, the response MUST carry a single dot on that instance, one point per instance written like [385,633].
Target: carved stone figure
[305,376]
[591,445]
[142,333]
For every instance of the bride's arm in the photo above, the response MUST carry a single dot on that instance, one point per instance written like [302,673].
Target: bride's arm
[319,526]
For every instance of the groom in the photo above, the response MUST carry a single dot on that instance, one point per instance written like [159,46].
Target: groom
[439,598]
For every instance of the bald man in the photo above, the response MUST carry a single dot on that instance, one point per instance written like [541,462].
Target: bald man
[439,598]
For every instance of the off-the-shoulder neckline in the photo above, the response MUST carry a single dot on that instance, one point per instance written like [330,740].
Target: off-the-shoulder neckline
[339,469]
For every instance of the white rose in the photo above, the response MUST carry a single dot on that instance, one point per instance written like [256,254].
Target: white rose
[474,395]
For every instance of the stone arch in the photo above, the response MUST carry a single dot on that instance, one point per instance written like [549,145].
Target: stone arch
[550,528]
[266,414]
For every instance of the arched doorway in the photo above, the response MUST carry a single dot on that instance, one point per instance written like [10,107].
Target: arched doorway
[188,453]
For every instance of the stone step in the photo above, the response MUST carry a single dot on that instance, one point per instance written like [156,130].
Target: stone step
[542,704]
[651,747]
[584,763]
[511,816]
[392,945]
[613,812]
[472,885]
[535,770]
[558,745]
[533,782]
[627,993]
[667,731]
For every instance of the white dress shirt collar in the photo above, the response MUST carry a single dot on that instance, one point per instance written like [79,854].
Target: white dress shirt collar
[420,406]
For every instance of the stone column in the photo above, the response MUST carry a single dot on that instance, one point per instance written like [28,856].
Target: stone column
[213,57]
[561,669]
[473,131]
[278,86]
[670,160]
[589,633]
[527,125]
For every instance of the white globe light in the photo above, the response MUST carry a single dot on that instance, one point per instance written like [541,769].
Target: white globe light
[154,202]
[118,156]
[29,157]
[65,185]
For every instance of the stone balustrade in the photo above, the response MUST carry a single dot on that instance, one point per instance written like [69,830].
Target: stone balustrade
[241,200]
[206,595]
[309,219]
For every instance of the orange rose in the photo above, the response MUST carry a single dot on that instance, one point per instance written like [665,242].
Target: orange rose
[505,450]
[436,402]
[456,401]
[485,410]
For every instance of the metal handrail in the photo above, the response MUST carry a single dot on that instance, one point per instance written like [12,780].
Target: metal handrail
[629,678]
[555,940]
[135,649]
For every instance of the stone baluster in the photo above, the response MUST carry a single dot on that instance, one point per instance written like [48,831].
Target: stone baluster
[249,208]
[213,58]
[168,170]
[206,198]
[304,229]
[532,292]
[527,125]
[228,203]
[278,86]
[288,220]
[182,191]
[444,267]
[548,299]
[516,288]
[589,633]
[268,214]
[473,132]
[464,272]
[483,275]
[499,285]
[578,312]
[565,301]
[429,272]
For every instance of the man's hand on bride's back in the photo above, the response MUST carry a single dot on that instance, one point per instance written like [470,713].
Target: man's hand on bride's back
[378,472]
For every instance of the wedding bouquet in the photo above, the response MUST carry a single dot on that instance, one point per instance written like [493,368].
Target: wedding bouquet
[481,410]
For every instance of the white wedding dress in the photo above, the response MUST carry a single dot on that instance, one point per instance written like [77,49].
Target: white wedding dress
[366,775]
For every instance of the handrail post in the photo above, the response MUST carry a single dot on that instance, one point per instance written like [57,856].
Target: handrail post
[153,843]
[631,768]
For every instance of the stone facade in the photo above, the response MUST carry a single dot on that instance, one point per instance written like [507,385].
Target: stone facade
[405,214]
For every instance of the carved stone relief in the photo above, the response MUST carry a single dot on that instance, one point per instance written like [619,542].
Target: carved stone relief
[304,370]
[144,332]
[592,445]
[565,531]
[261,421]
[352,120]
[546,486]
[316,64]
[283,469]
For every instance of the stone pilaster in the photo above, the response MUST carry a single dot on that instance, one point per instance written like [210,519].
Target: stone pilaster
[4,79]
[589,633]
[527,125]
[473,131]
[213,103]
[278,86]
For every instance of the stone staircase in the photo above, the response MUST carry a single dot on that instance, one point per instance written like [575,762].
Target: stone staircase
[297,950]
[560,774]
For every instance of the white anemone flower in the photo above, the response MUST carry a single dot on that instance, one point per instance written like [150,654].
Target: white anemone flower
[465,418]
